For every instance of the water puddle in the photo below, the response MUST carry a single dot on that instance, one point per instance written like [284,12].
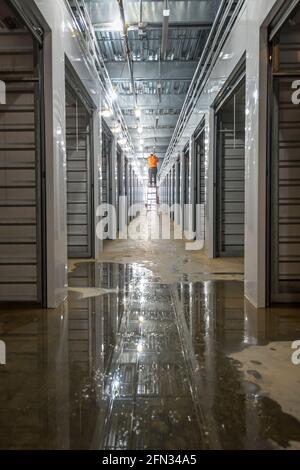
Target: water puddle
[132,363]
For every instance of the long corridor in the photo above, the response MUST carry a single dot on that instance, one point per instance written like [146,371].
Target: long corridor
[149,230]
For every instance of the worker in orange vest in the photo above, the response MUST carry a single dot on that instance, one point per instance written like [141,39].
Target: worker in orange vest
[152,164]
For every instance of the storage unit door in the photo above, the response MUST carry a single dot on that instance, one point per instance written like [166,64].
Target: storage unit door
[284,187]
[199,214]
[230,196]
[79,178]
[106,164]
[21,247]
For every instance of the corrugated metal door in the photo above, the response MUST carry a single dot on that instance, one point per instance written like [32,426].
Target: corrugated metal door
[200,194]
[107,139]
[79,176]
[284,200]
[178,182]
[186,174]
[230,174]
[21,247]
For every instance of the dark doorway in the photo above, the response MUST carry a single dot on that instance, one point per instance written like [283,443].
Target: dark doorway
[80,212]
[22,189]
[199,186]
[230,172]
[284,174]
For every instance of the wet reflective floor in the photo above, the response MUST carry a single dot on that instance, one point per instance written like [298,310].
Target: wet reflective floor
[132,363]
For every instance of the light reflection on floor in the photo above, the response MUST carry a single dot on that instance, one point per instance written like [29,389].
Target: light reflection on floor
[149,365]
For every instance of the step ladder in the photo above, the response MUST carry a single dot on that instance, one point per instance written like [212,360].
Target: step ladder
[152,199]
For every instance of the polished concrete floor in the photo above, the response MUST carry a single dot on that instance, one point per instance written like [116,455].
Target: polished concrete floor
[130,362]
[155,348]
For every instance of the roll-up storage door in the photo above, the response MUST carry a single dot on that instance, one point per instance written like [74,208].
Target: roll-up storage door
[186,174]
[199,188]
[130,185]
[284,174]
[173,191]
[178,182]
[22,254]
[107,140]
[119,172]
[126,185]
[80,212]
[230,169]
[170,186]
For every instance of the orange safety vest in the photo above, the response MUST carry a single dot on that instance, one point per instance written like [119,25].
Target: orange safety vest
[152,161]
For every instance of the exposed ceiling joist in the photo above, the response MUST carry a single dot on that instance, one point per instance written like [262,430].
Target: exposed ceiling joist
[151,50]
[182,11]
[103,27]
[150,101]
[170,70]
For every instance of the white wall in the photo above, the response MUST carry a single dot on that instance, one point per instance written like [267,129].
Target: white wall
[247,36]
[61,39]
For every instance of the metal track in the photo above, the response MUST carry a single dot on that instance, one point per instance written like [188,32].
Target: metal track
[225,19]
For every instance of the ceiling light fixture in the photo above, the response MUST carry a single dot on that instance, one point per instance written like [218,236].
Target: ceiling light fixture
[117,25]
[107,113]
[116,129]
[114,95]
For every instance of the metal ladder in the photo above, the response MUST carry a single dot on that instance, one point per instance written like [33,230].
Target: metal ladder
[152,199]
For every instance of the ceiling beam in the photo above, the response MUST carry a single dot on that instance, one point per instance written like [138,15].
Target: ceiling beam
[151,101]
[166,120]
[185,11]
[152,133]
[110,27]
[170,70]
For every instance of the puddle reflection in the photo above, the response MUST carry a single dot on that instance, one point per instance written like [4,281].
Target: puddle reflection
[144,366]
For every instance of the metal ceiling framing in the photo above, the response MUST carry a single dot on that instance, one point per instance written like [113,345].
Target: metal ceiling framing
[164,41]
[158,61]
[90,46]
[224,21]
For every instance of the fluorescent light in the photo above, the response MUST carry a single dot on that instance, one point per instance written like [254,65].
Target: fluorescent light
[107,113]
[114,95]
[166,13]
[117,129]
[117,25]
[137,112]
[140,130]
